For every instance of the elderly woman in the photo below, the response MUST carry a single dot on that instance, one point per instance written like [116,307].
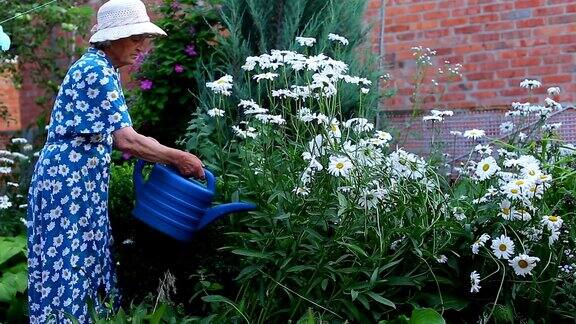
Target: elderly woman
[70,265]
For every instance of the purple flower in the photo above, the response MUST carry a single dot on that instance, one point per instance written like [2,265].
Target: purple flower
[146,84]
[178,68]
[175,6]
[191,50]
[126,156]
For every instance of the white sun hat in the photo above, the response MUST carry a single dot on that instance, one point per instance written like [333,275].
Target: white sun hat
[123,18]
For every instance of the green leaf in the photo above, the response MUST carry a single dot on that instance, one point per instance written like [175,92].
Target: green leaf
[354,248]
[252,253]
[354,294]
[381,299]
[300,268]
[11,246]
[426,316]
[11,284]
[158,314]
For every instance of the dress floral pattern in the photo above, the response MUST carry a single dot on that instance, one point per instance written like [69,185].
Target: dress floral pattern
[69,235]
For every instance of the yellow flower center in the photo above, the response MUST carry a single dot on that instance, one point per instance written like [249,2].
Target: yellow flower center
[523,264]
[485,167]
[333,128]
[220,81]
[514,191]
[506,211]
[502,247]
[531,172]
[519,182]
[553,218]
[339,165]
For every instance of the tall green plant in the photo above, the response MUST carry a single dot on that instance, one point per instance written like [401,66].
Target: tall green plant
[260,26]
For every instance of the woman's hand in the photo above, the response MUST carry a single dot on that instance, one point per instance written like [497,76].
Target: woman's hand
[189,165]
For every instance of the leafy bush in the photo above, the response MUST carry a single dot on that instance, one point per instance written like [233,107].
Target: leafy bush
[361,232]
[166,75]
[13,279]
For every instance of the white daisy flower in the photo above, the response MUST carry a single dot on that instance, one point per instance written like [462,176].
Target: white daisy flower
[474,133]
[442,259]
[306,41]
[265,76]
[301,191]
[506,209]
[455,133]
[502,247]
[523,264]
[222,85]
[506,127]
[338,38]
[339,166]
[521,214]
[334,129]
[553,91]
[530,84]
[474,282]
[215,112]
[552,222]
[486,168]
[479,243]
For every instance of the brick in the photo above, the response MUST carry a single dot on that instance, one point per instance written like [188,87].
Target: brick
[543,51]
[491,84]
[454,22]
[479,57]
[406,19]
[517,34]
[562,39]
[516,14]
[530,23]
[484,18]
[423,7]
[499,7]
[515,92]
[435,15]
[564,19]
[484,94]
[405,36]
[549,31]
[499,26]
[522,4]
[512,54]
[498,45]
[467,11]
[548,11]
[426,25]
[558,59]
[437,33]
[494,66]
[467,30]
[532,42]
[480,76]
[543,70]
[569,48]
[482,38]
[527,61]
[511,73]
[557,79]
[571,8]
[396,28]
[396,10]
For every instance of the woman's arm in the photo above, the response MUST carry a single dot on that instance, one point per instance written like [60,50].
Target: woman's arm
[128,140]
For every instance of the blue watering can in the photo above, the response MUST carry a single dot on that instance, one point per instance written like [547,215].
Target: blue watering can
[178,206]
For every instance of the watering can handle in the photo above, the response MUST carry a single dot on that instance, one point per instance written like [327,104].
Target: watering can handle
[139,179]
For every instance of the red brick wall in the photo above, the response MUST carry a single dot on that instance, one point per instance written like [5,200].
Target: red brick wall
[499,43]
[10,98]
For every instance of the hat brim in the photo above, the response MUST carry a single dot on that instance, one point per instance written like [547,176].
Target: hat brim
[114,33]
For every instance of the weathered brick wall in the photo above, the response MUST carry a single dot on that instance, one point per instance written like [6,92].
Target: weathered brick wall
[499,42]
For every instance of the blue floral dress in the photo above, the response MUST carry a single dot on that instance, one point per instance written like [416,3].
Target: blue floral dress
[69,238]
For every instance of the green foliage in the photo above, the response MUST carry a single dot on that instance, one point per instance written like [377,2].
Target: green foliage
[257,26]
[44,41]
[13,278]
[161,111]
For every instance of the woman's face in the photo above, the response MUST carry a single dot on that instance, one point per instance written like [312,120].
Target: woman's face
[125,50]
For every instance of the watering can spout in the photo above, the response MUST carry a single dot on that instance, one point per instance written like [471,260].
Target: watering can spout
[221,210]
